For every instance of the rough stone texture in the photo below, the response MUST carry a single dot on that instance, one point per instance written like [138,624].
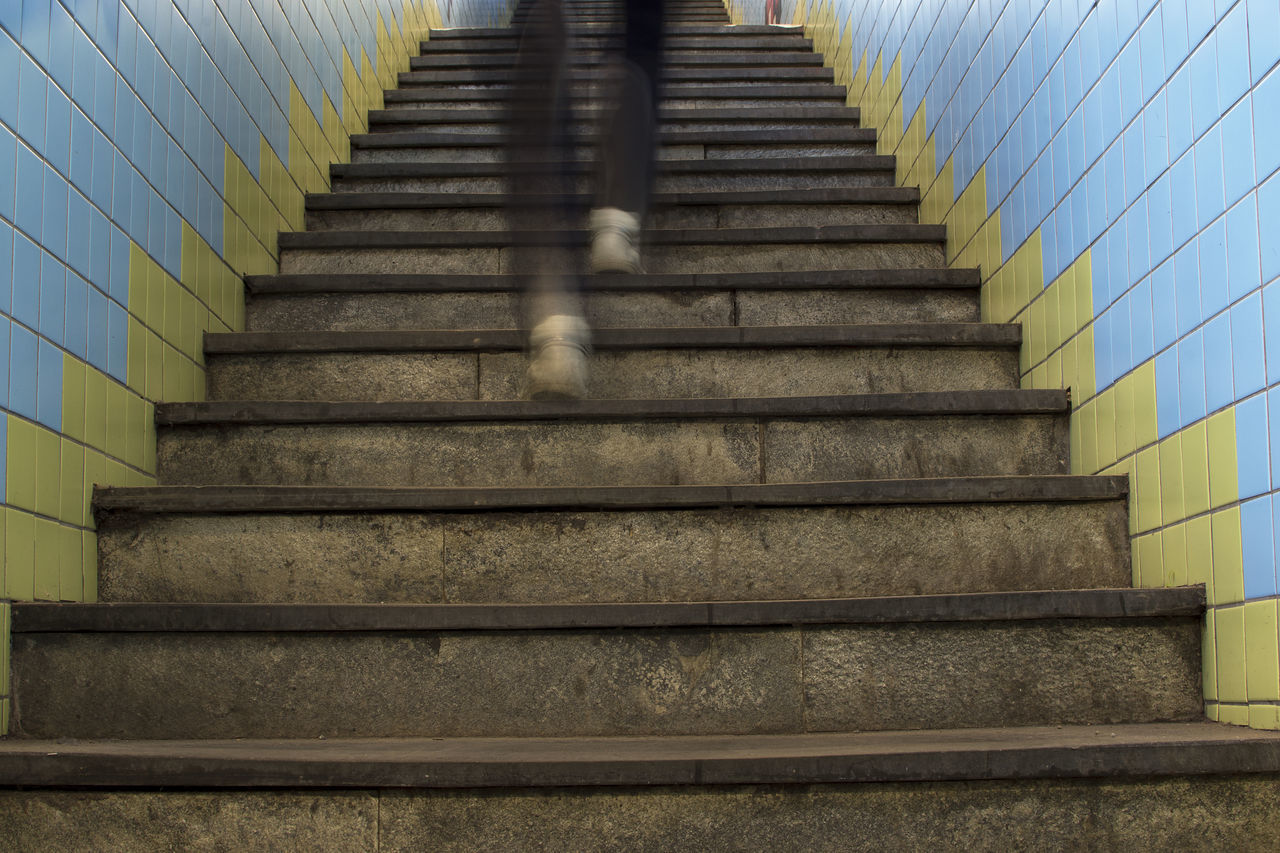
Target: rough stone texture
[131,821]
[871,448]
[1200,813]
[657,258]
[615,556]
[343,376]
[612,309]
[783,179]
[685,216]
[290,558]
[568,453]
[834,307]
[495,454]
[930,676]
[778,372]
[430,684]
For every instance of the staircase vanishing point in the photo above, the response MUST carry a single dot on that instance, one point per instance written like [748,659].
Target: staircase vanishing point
[807,573]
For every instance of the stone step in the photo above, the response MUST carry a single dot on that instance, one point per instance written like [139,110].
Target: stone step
[672,29]
[792,41]
[669,543]
[488,211]
[781,174]
[675,250]
[1088,657]
[791,58]
[700,74]
[707,118]
[1137,787]
[437,147]
[656,363]
[404,302]
[586,91]
[459,98]
[627,442]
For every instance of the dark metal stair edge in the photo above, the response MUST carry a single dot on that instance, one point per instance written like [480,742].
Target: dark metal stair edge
[937,278]
[500,237]
[319,499]
[925,404]
[156,617]
[434,139]
[711,337]
[414,200]
[1119,753]
[671,29]
[752,165]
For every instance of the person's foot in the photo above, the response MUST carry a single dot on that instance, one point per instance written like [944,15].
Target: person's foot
[615,241]
[558,350]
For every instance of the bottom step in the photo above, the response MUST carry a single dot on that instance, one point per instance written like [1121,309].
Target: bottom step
[1154,787]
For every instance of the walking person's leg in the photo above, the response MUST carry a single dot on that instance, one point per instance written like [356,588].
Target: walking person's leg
[627,146]
[539,212]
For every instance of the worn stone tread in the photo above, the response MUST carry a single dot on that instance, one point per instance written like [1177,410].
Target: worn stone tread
[944,490]
[801,279]
[710,337]
[1012,402]
[850,163]
[423,138]
[1029,752]
[819,195]
[45,617]
[672,28]
[892,233]
[807,74]
[677,91]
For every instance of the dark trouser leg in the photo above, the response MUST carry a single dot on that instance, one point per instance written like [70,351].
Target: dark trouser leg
[540,144]
[630,132]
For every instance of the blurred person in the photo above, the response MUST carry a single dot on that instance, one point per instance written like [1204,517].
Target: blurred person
[541,215]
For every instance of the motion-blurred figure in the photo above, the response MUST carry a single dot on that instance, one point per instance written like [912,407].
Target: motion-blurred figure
[540,210]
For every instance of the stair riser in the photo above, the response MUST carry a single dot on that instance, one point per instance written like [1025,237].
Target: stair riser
[651,681]
[1239,813]
[497,154]
[707,75]
[378,311]
[651,374]
[691,103]
[683,216]
[674,44]
[634,453]
[714,182]
[656,259]
[638,555]
[586,129]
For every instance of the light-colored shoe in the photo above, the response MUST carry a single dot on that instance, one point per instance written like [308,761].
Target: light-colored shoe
[558,351]
[615,241]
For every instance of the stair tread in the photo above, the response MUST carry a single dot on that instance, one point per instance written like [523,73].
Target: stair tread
[1011,402]
[806,279]
[708,337]
[424,138]
[1033,752]
[817,195]
[839,163]
[45,617]
[382,239]
[939,490]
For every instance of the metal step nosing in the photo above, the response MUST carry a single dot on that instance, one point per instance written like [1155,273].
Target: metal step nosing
[751,166]
[42,617]
[872,279]
[709,337]
[322,499]
[918,404]
[501,238]
[999,756]
[420,201]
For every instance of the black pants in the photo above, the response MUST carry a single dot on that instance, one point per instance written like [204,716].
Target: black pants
[541,145]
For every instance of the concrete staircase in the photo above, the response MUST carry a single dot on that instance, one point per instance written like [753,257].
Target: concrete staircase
[808,572]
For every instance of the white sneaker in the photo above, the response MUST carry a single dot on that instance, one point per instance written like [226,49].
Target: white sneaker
[615,241]
[559,347]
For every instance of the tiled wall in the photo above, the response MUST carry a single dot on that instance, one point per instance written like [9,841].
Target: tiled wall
[150,151]
[1112,168]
